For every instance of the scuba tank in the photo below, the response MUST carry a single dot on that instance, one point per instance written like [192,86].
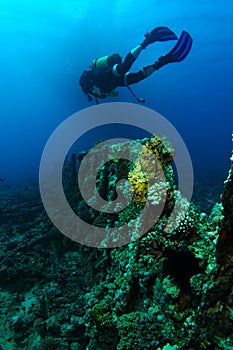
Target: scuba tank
[106,62]
[88,78]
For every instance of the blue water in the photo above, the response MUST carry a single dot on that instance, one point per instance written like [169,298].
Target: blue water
[45,46]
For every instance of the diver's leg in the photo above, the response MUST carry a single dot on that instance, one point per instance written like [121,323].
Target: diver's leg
[157,34]
[121,68]
[133,78]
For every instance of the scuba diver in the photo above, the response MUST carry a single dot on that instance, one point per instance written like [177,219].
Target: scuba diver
[109,72]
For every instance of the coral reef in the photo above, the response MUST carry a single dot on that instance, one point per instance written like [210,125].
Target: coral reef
[165,290]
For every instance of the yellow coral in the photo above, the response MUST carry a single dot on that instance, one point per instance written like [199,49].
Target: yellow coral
[139,183]
[147,170]
[143,172]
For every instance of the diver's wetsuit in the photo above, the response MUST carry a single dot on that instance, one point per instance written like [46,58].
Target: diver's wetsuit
[101,83]
[119,75]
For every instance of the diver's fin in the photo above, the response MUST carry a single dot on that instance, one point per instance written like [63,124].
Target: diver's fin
[180,51]
[158,34]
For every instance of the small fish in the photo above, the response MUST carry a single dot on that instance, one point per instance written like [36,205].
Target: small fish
[7,186]
[1,179]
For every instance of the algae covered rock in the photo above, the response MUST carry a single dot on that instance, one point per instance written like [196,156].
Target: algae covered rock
[225,241]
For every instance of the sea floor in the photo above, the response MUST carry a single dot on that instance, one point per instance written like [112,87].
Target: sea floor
[57,294]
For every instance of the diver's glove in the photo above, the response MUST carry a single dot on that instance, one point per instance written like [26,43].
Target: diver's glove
[113,93]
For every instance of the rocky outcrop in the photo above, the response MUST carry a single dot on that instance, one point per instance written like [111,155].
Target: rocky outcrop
[165,290]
